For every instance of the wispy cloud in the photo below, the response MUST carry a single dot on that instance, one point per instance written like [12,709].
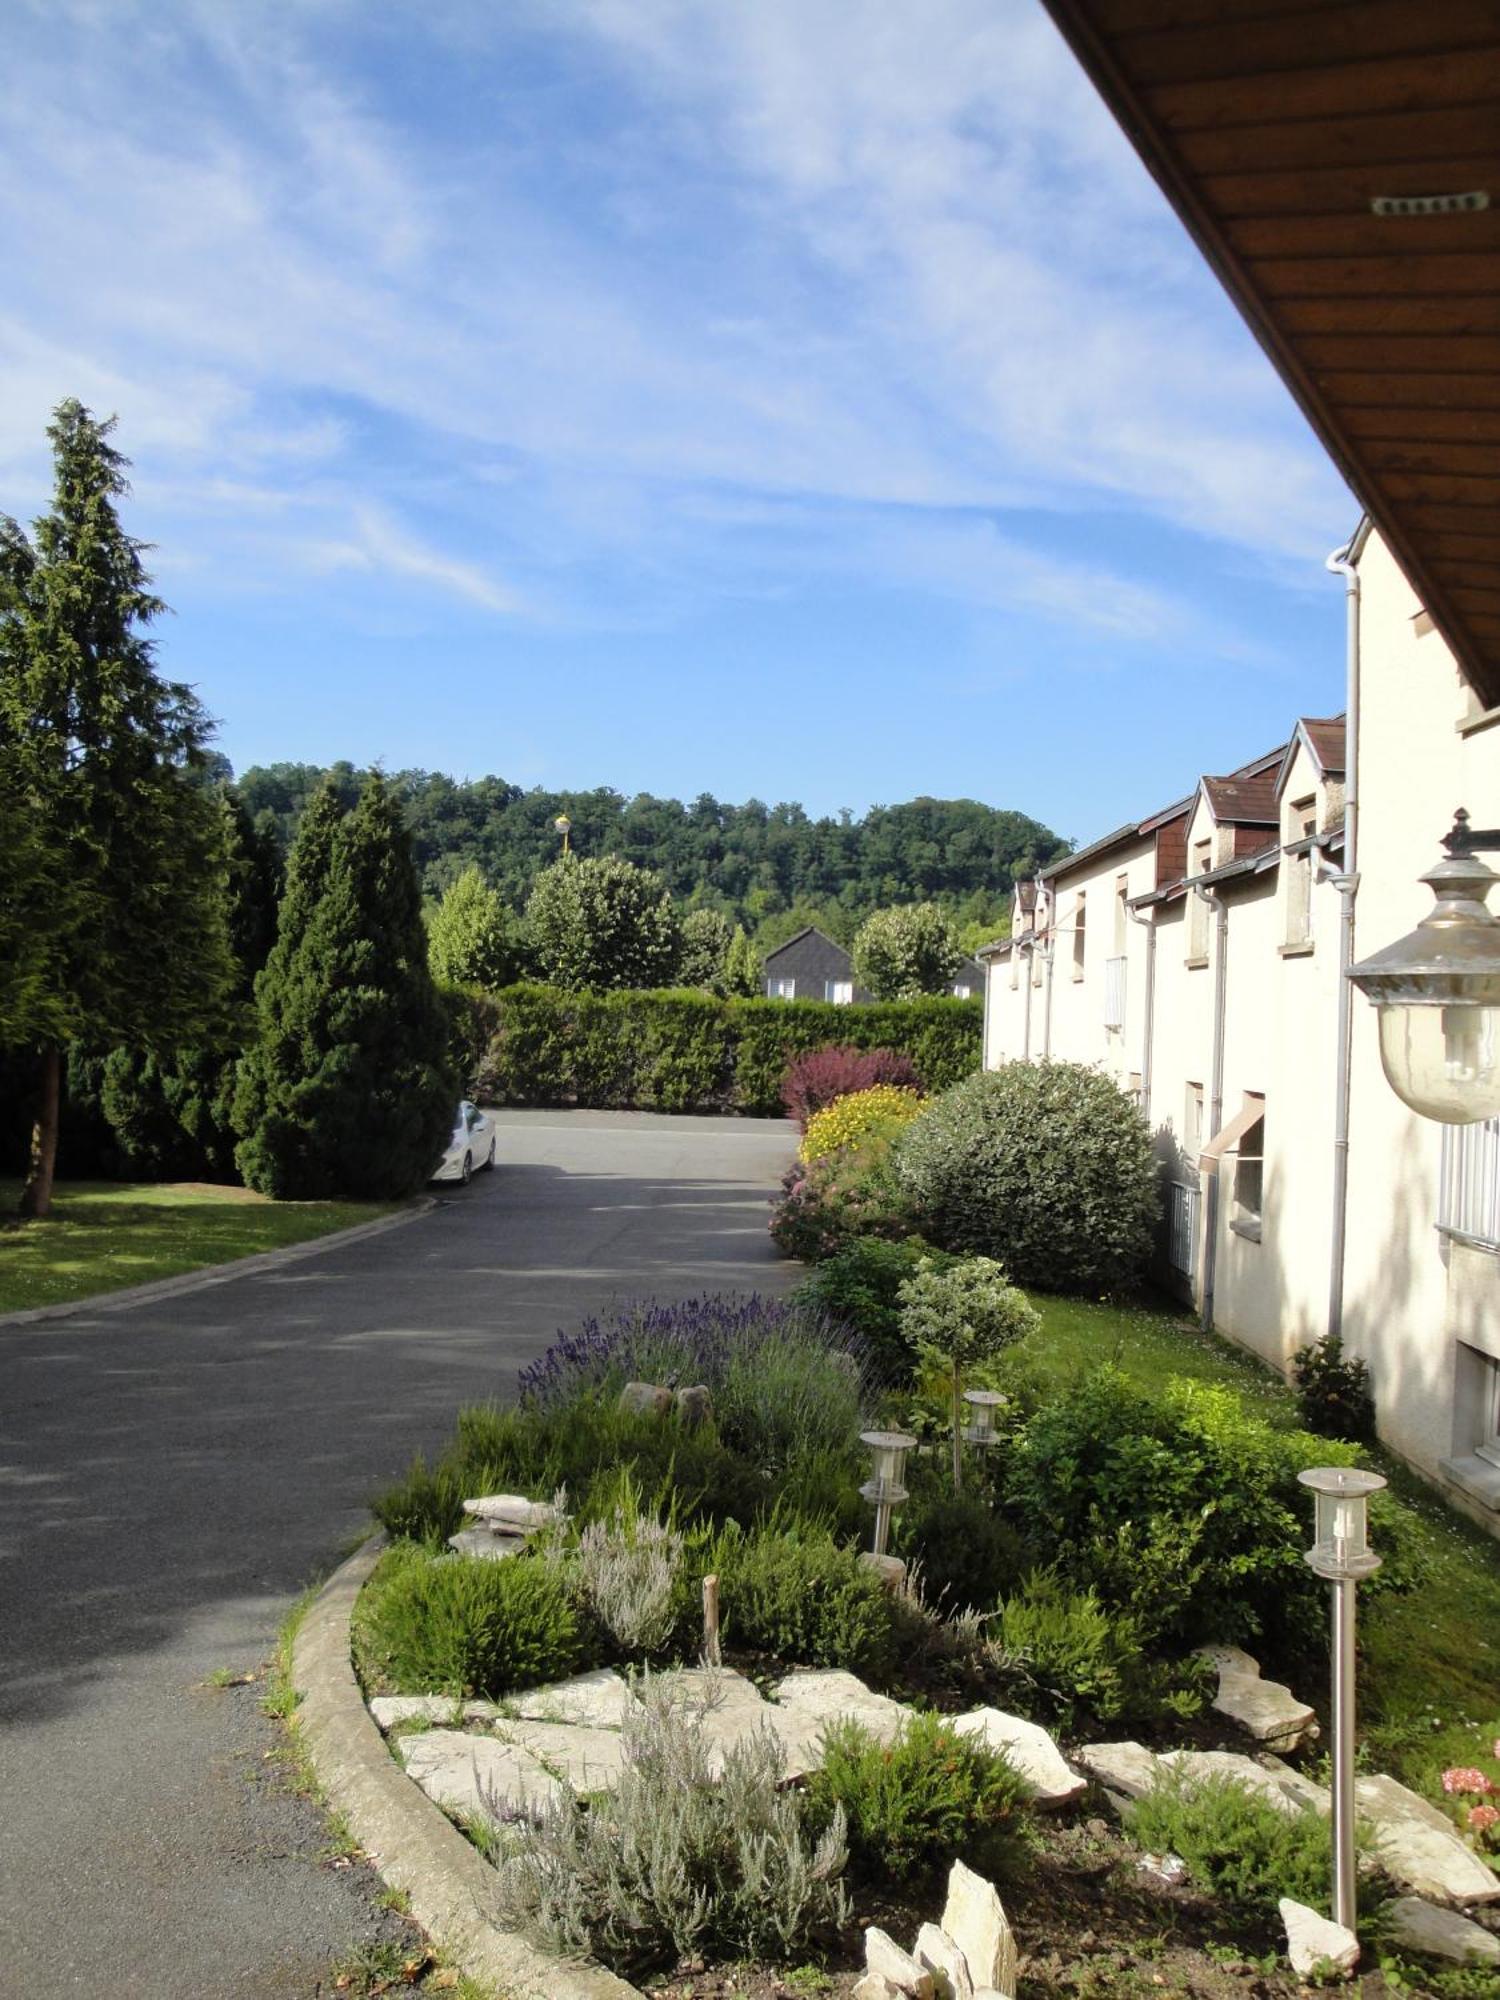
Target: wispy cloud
[380,545]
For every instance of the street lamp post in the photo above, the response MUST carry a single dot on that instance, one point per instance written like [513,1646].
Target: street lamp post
[1341,1554]
[564,826]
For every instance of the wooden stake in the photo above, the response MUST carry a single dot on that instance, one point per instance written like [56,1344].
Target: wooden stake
[711,1651]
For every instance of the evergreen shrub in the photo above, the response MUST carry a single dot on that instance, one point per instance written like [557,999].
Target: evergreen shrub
[465,1625]
[966,1553]
[793,1590]
[853,1121]
[1079,1665]
[691,1051]
[860,1285]
[1046,1166]
[814,1081]
[1245,1851]
[1334,1397]
[825,1207]
[915,1805]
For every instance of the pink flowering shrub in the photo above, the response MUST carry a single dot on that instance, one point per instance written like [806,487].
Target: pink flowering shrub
[813,1081]
[1465,1778]
[825,1205]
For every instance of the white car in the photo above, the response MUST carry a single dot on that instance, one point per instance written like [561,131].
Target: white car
[472,1147]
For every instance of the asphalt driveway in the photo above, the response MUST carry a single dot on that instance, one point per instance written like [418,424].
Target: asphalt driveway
[173,1474]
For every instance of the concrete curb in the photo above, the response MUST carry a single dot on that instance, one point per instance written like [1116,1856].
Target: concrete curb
[452,1888]
[218,1274]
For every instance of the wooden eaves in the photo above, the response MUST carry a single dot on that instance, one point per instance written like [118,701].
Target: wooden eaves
[1273,127]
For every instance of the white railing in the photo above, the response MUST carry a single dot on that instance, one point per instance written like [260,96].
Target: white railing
[1469,1183]
[1114,992]
[1182,1227]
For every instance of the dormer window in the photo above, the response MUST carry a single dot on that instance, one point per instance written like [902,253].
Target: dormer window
[1299,872]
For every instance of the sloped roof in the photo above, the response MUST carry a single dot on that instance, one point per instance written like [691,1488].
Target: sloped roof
[1283,133]
[1243,801]
[1092,852]
[1323,738]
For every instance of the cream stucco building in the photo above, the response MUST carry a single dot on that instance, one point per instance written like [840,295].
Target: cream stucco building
[1196,956]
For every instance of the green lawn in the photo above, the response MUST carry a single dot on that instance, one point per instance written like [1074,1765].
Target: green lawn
[104,1234]
[1430,1660]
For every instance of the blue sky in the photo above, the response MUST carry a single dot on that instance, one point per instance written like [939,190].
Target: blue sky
[805,398]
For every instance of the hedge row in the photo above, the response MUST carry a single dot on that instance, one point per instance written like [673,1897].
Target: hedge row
[680,1051]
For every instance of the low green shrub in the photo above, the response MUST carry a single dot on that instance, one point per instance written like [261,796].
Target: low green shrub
[915,1805]
[464,1625]
[1069,1659]
[686,1862]
[860,1286]
[792,1590]
[1333,1391]
[786,1399]
[426,1505]
[824,1207]
[1046,1166]
[966,1552]
[1245,1851]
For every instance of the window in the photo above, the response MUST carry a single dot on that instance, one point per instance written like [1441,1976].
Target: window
[1122,891]
[1469,1184]
[1080,914]
[839,991]
[1299,875]
[1114,993]
[781,989]
[1197,923]
[1488,1447]
[1015,968]
[1192,1121]
[963,992]
[1243,1141]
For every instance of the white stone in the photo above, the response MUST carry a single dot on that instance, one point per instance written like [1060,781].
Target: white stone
[1168,1868]
[1313,1941]
[1264,1709]
[482,1542]
[1287,1790]
[1419,1926]
[1127,1769]
[808,1700]
[885,1959]
[478,1775]
[1030,1749]
[513,1512]
[645,1399]
[389,1709]
[873,1987]
[601,1700]
[890,1569]
[1421,1850]
[590,1760]
[725,1707]
[975,1919]
[949,1968]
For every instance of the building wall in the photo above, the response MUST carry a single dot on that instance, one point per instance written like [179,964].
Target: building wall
[1418,1307]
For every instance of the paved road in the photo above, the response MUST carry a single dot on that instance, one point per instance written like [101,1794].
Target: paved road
[170,1476]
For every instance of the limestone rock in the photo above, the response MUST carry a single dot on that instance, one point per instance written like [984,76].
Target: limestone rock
[1421,1850]
[975,1919]
[513,1513]
[1423,1927]
[645,1399]
[590,1760]
[725,1707]
[1168,1868]
[477,1775]
[1030,1749]
[598,1700]
[873,1987]
[812,1697]
[1285,1789]
[1312,1941]
[1266,1710]
[484,1542]
[885,1960]
[389,1709]
[694,1405]
[1129,1770]
[947,1964]
[890,1569]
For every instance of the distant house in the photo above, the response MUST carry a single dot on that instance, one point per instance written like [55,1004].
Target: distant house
[967,982]
[811,966]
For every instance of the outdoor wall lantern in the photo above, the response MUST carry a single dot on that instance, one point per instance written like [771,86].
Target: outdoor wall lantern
[1438,991]
[983,1404]
[1342,1555]
[885,1491]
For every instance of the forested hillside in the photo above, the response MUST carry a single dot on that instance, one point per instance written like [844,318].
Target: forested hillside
[772,867]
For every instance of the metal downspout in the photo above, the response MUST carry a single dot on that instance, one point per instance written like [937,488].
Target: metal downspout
[1030,969]
[1148,924]
[1216,1101]
[984,1019]
[1049,959]
[1347,884]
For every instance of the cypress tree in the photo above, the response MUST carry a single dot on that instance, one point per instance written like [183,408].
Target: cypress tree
[350,1088]
[101,752]
[469,940]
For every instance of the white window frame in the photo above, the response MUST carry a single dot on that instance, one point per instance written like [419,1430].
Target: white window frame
[1469,1184]
[1488,1447]
[781,989]
[839,991]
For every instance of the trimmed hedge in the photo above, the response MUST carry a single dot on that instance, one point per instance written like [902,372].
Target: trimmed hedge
[690,1051]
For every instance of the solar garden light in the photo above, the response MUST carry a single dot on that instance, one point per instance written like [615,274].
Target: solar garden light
[1437,990]
[884,1489]
[983,1404]
[1341,1554]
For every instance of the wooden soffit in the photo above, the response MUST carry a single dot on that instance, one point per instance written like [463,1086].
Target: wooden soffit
[1274,126]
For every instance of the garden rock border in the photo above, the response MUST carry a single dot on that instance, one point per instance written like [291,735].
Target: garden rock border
[453,1890]
[125,1296]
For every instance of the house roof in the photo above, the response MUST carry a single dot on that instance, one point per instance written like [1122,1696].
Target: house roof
[1323,739]
[1095,848]
[1243,801]
[807,931]
[1282,133]
[1168,813]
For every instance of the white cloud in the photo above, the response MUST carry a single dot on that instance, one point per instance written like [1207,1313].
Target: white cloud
[379,544]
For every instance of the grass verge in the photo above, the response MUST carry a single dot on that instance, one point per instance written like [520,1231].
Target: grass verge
[1430,1660]
[102,1235]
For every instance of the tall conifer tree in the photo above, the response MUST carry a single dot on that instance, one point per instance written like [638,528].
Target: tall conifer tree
[100,750]
[350,1088]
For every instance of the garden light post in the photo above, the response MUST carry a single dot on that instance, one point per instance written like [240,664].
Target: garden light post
[884,1489]
[1341,1554]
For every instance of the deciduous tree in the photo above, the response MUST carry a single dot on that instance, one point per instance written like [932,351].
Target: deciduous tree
[599,925]
[903,953]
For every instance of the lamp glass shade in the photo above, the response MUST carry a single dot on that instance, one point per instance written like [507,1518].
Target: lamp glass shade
[889,1449]
[1341,1545]
[983,1403]
[1443,1061]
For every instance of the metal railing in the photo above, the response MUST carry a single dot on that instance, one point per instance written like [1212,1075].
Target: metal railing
[1114,992]
[1182,1227]
[1469,1183]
